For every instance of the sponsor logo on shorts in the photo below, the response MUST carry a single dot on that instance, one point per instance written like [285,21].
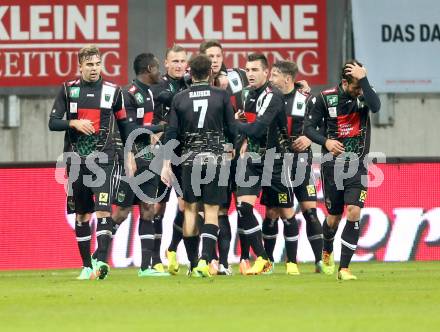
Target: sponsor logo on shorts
[311,190]
[363,196]
[282,197]
[328,203]
[121,196]
[74,92]
[71,203]
[103,198]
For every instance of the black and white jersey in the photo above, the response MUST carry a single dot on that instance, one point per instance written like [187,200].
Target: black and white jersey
[200,116]
[100,102]
[266,118]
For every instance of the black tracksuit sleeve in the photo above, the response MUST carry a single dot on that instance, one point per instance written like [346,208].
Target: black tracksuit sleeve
[173,124]
[370,96]
[229,119]
[314,120]
[59,109]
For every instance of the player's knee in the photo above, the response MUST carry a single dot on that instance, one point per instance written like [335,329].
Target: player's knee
[272,213]
[147,212]
[333,220]
[103,214]
[311,216]
[353,212]
[120,214]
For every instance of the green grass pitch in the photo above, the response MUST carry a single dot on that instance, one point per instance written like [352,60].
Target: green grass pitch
[387,297]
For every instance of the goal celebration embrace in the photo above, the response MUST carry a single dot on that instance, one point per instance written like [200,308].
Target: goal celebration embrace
[219,138]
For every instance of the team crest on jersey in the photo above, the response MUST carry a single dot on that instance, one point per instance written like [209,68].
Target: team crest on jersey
[139,98]
[332,100]
[107,97]
[74,92]
[311,191]
[363,196]
[282,197]
[103,198]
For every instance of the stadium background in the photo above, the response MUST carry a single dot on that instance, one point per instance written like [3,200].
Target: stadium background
[402,216]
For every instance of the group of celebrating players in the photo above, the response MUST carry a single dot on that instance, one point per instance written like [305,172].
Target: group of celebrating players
[215,135]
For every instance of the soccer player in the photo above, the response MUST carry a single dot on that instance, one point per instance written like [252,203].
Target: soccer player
[264,110]
[234,81]
[344,110]
[91,106]
[139,105]
[298,103]
[199,118]
[174,81]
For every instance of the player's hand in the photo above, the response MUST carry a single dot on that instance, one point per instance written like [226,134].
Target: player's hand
[240,115]
[130,165]
[356,71]
[166,175]
[223,81]
[301,144]
[83,126]
[243,148]
[304,86]
[334,146]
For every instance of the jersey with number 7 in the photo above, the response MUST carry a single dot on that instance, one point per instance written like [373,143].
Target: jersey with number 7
[202,116]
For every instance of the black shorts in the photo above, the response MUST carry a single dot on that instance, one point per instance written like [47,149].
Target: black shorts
[248,176]
[305,191]
[232,187]
[148,190]
[213,193]
[351,191]
[280,192]
[94,196]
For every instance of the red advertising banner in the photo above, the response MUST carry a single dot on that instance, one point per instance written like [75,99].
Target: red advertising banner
[400,222]
[39,40]
[283,29]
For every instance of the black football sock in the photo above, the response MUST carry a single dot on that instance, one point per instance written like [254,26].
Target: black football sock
[177,231]
[104,237]
[270,232]
[291,238]
[328,237]
[244,244]
[192,249]
[314,232]
[146,235]
[157,239]
[251,228]
[208,235]
[349,240]
[114,229]
[224,239]
[83,236]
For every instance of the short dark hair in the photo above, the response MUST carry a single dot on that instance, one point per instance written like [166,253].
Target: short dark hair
[208,44]
[287,67]
[344,75]
[175,48]
[87,52]
[142,61]
[258,57]
[200,66]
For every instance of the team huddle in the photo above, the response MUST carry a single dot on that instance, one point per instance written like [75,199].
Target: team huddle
[216,136]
